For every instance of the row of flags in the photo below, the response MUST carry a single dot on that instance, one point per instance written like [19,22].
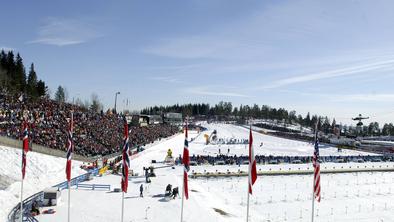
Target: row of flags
[252,173]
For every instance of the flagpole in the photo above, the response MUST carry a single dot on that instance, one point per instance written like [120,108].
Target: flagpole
[69,183]
[122,206]
[313,187]
[247,208]
[125,164]
[313,200]
[184,169]
[69,201]
[23,168]
[183,195]
[249,172]
[22,195]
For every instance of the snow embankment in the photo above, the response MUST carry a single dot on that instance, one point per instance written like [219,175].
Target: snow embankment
[41,171]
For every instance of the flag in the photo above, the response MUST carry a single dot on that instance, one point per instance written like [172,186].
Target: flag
[25,147]
[186,164]
[70,147]
[252,163]
[316,165]
[125,158]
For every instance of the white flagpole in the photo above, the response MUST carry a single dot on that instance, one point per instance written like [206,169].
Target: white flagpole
[21,207]
[69,201]
[183,196]
[313,187]
[249,171]
[247,208]
[313,200]
[22,196]
[69,183]
[183,186]
[122,206]
[247,199]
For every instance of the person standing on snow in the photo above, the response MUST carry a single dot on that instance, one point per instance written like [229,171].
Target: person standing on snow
[142,190]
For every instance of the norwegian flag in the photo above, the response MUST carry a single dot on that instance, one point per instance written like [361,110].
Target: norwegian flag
[316,165]
[252,163]
[25,147]
[186,164]
[70,147]
[125,157]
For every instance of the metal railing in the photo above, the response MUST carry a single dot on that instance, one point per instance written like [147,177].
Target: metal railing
[14,215]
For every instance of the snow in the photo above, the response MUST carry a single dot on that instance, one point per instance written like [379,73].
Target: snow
[271,145]
[345,197]
[41,171]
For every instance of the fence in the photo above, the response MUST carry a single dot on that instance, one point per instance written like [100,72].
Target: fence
[14,215]
[94,186]
[297,171]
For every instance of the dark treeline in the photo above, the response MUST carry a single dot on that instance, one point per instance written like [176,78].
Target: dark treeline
[226,111]
[15,81]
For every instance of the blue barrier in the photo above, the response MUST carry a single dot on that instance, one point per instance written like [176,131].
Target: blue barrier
[38,197]
[94,186]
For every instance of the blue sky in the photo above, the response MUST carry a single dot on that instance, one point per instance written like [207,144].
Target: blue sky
[333,58]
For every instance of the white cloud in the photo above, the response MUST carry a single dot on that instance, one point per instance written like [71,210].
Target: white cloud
[190,47]
[167,79]
[352,70]
[63,32]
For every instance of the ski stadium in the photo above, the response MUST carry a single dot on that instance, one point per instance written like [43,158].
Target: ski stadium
[197,111]
[353,190]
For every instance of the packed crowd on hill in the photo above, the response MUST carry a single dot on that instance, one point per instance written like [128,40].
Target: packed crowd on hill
[94,133]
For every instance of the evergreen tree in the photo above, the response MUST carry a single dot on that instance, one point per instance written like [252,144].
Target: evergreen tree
[10,67]
[42,89]
[60,95]
[333,124]
[32,84]
[3,79]
[326,125]
[308,121]
[20,75]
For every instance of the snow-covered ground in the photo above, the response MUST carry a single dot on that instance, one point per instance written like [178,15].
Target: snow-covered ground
[345,197]
[270,145]
[41,171]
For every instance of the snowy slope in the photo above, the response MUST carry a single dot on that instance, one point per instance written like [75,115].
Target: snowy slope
[271,145]
[350,197]
[42,171]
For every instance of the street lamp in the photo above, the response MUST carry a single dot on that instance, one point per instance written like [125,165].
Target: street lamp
[116,97]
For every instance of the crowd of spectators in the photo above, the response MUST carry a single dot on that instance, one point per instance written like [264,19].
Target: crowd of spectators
[94,133]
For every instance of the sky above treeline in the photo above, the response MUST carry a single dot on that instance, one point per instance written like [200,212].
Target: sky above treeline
[333,58]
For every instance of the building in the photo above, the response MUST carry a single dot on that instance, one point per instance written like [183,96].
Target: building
[173,118]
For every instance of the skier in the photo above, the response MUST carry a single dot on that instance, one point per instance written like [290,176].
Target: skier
[175,192]
[168,190]
[141,191]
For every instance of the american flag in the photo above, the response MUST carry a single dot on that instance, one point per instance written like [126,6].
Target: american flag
[316,165]
[252,163]
[70,147]
[125,157]
[25,147]
[186,164]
